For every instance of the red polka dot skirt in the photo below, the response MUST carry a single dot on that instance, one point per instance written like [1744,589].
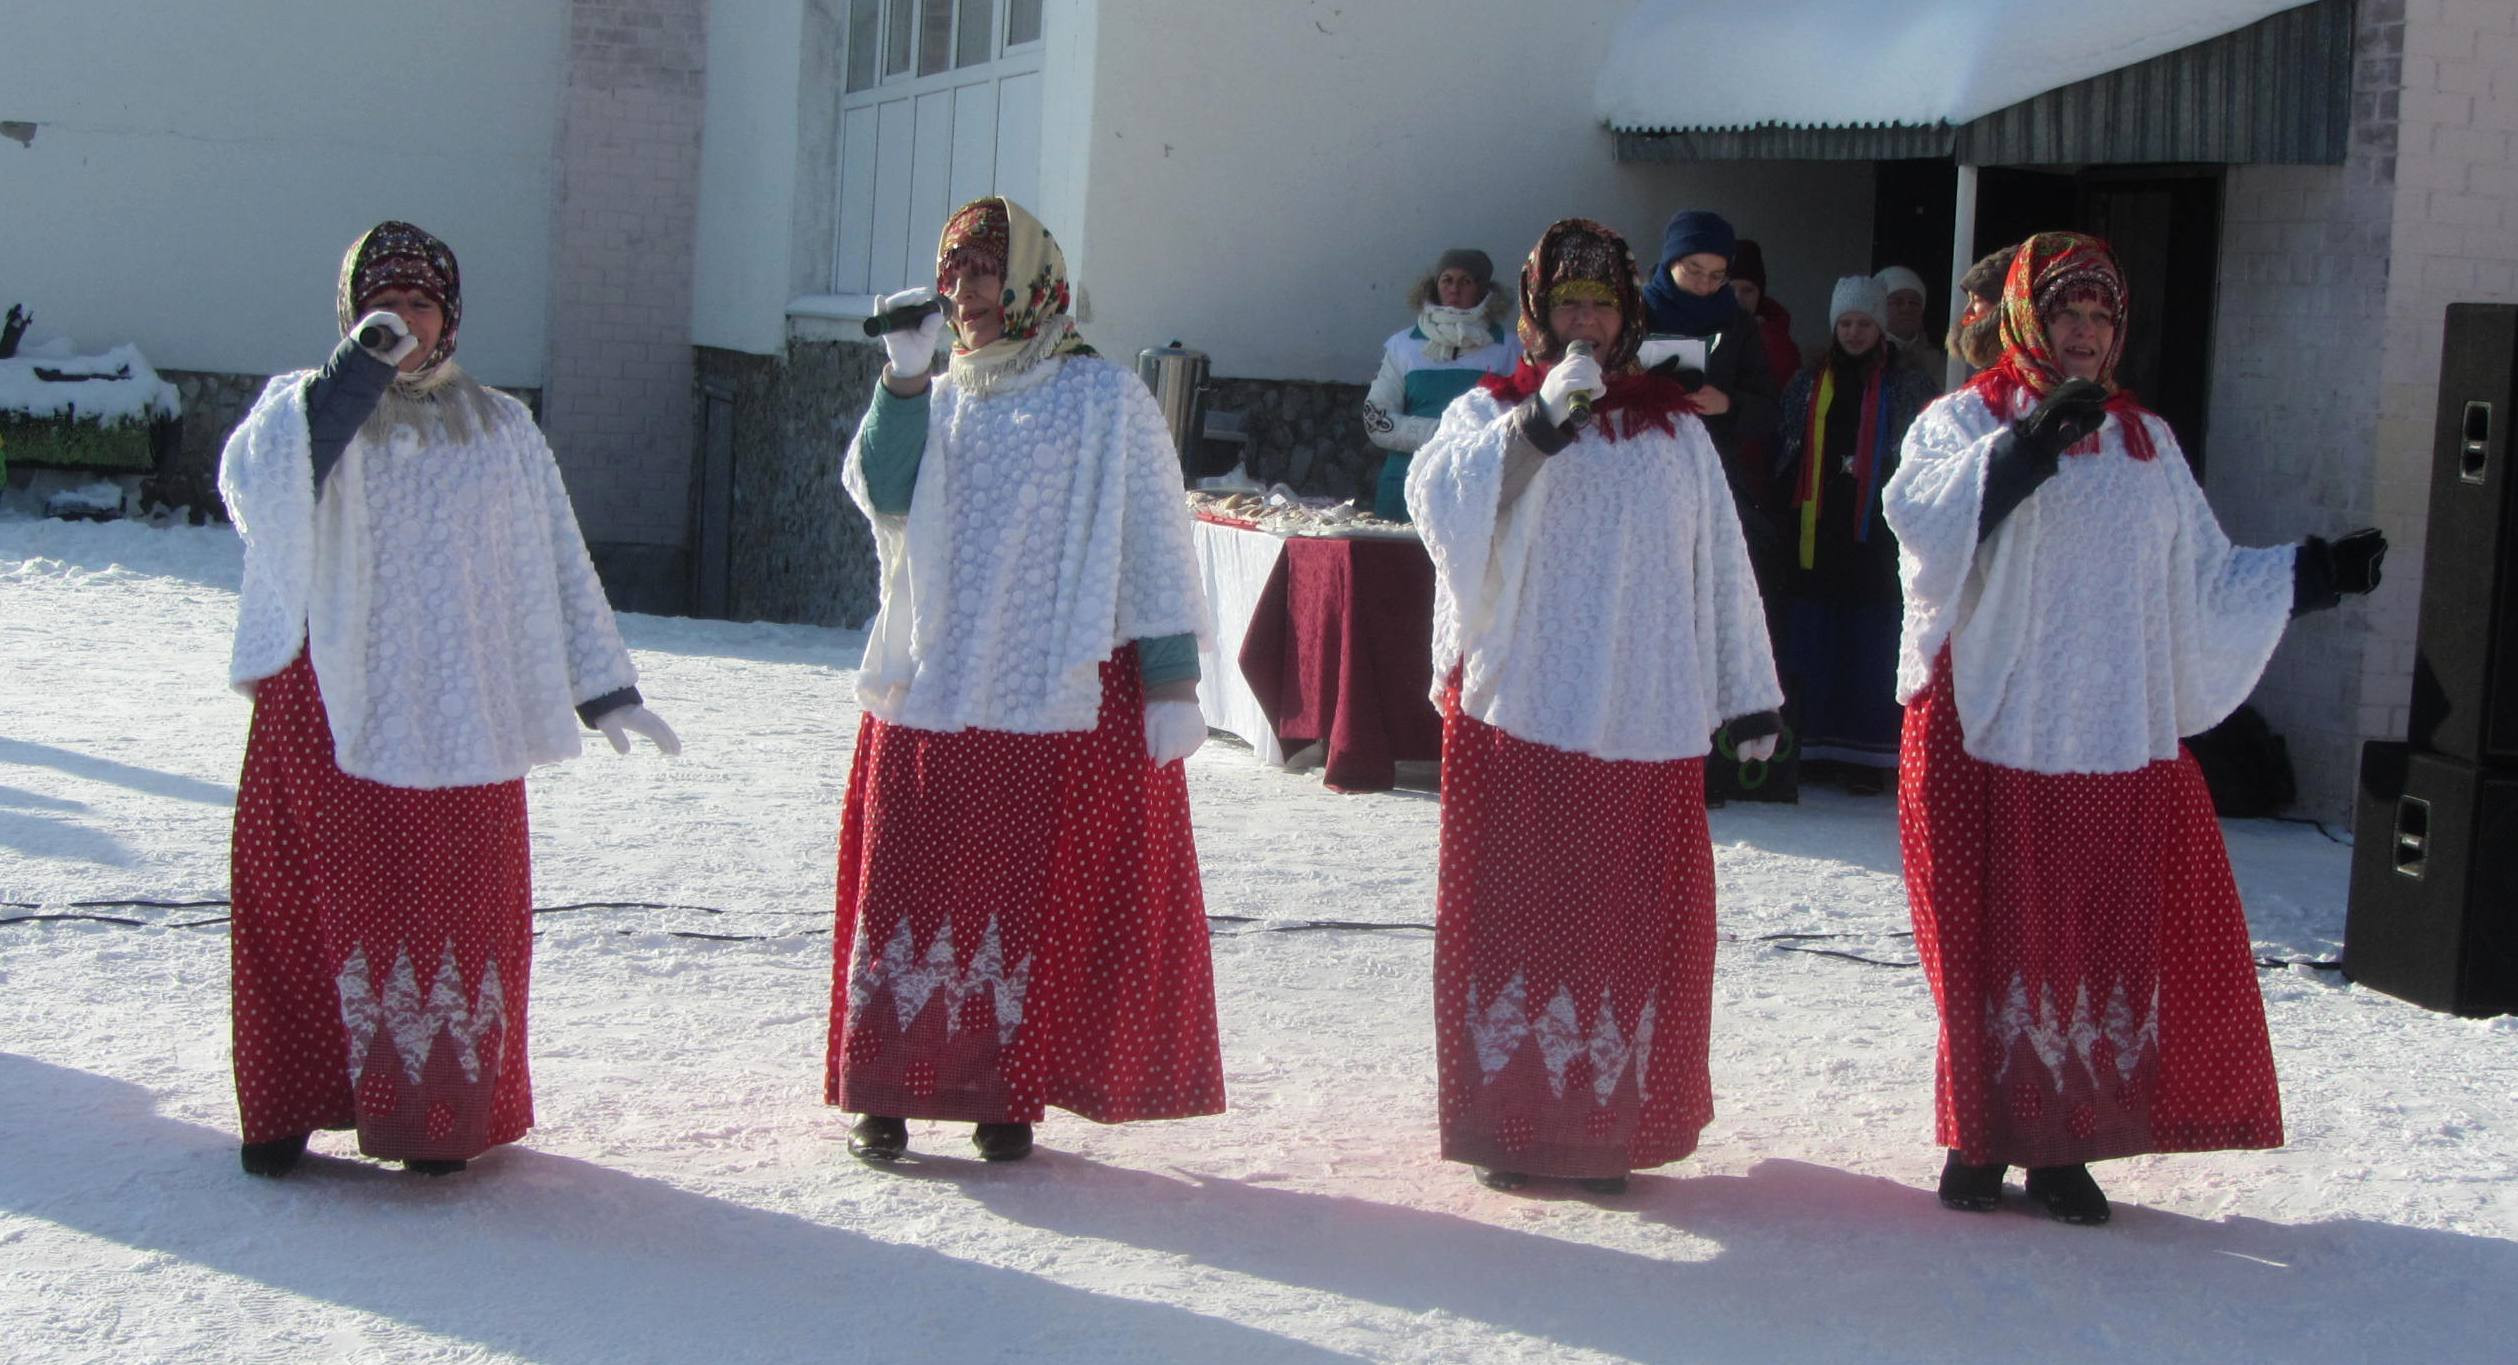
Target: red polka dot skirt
[381,948]
[1573,957]
[2085,943]
[1020,926]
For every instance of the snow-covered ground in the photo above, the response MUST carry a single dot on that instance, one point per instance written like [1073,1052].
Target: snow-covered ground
[687,1196]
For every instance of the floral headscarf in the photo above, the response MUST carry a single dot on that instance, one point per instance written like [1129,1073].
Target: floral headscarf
[1576,257]
[1578,252]
[2053,269]
[396,255]
[996,236]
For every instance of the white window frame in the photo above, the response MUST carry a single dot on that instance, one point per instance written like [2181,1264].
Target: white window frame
[911,148]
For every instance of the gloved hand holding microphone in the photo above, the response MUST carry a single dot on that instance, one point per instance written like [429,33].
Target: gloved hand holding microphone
[385,336]
[911,350]
[1569,390]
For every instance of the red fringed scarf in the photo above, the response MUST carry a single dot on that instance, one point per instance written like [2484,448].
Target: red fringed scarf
[1635,401]
[2053,269]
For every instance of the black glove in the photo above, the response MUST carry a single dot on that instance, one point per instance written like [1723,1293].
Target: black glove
[2324,573]
[2356,561]
[2070,413]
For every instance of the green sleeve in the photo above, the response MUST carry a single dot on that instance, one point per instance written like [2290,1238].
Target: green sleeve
[890,442]
[1168,658]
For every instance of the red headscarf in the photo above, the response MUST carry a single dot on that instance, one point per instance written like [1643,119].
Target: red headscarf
[396,255]
[1577,249]
[2051,270]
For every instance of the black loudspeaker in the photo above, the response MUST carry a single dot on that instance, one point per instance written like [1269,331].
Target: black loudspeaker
[2465,666]
[2434,909]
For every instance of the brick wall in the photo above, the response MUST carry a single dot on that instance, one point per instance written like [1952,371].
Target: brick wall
[2301,314]
[2456,240]
[618,397]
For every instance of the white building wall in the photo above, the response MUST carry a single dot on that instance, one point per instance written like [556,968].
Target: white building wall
[1264,180]
[194,171]
[743,274]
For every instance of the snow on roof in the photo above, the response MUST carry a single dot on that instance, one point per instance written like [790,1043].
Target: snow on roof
[129,392]
[1703,64]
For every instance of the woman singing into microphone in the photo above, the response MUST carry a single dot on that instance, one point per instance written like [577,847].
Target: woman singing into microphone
[1594,621]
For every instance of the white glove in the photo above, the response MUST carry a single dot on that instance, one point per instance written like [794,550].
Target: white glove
[1756,750]
[1173,730]
[619,723]
[912,350]
[404,343]
[1572,375]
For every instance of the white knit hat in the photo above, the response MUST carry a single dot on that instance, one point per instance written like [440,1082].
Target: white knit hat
[1858,294]
[1898,277]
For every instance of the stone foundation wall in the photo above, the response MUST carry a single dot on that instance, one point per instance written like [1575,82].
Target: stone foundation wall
[1302,432]
[797,548]
[799,551]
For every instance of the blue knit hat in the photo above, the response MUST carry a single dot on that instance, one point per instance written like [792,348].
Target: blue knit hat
[1696,230]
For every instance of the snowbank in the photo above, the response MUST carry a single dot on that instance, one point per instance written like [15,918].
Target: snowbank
[685,1195]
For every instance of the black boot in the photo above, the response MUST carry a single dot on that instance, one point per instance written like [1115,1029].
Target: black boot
[878,1137]
[1501,1180]
[424,1167]
[275,1158]
[1002,1141]
[2069,1194]
[1604,1184]
[1972,1189]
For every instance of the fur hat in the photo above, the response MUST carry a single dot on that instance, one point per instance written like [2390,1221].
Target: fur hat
[1492,301]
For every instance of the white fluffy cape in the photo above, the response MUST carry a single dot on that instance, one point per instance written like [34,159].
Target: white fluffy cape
[442,589]
[1047,528]
[1610,610]
[2103,619]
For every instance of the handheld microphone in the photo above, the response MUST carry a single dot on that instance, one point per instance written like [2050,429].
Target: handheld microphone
[1578,405]
[903,319]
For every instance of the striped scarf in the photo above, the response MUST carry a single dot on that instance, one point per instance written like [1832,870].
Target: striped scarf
[1869,437]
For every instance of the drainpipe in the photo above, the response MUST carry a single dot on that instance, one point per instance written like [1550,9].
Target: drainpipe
[1962,255]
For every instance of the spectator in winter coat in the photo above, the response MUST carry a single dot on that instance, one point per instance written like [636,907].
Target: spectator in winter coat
[419,624]
[1688,296]
[1844,419]
[1748,284]
[1458,338]
[1905,291]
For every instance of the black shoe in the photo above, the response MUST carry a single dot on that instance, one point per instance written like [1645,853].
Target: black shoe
[1604,1184]
[432,1167]
[1501,1180]
[275,1158]
[2069,1194]
[877,1137]
[1971,1189]
[1002,1141]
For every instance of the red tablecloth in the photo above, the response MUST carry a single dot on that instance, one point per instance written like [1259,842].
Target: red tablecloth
[1340,649]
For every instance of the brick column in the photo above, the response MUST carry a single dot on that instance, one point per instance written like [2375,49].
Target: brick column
[2301,319]
[2456,241]
[617,404]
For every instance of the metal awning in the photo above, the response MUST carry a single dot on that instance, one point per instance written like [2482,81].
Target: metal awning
[1983,82]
